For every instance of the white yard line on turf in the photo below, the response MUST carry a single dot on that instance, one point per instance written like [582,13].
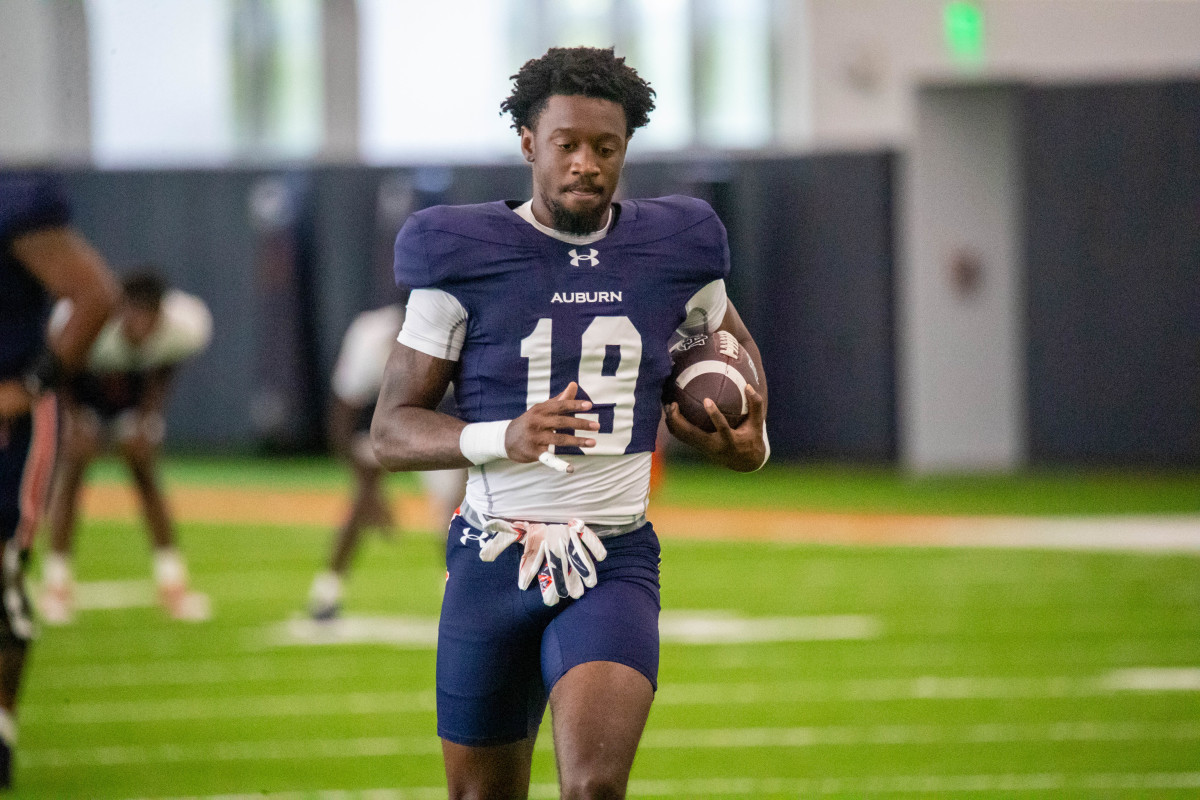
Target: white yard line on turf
[1141,534]
[713,627]
[933,688]
[956,785]
[236,668]
[661,739]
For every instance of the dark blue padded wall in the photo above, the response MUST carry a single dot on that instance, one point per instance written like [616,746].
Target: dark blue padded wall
[196,227]
[811,246]
[809,237]
[1112,222]
[817,233]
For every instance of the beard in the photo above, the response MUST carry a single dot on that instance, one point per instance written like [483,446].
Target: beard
[576,223]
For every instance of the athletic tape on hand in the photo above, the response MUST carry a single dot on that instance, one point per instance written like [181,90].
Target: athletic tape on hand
[554,462]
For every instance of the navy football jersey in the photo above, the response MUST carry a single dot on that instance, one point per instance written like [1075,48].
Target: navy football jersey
[27,204]
[542,312]
[525,311]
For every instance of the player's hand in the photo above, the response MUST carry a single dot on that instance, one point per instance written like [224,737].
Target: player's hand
[562,557]
[15,400]
[535,434]
[742,448]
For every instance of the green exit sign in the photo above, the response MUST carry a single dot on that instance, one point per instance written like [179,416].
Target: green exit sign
[962,26]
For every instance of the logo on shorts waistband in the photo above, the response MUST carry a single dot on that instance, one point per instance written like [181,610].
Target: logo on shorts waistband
[470,535]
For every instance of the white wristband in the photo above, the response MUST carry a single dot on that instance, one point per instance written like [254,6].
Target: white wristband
[767,455]
[482,442]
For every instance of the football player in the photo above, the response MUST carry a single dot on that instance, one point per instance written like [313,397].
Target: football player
[41,256]
[553,317]
[120,397]
[357,376]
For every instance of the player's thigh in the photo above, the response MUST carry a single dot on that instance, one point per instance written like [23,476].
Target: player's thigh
[489,674]
[599,711]
[499,772]
[616,620]
[17,449]
[15,438]
[83,433]
[600,655]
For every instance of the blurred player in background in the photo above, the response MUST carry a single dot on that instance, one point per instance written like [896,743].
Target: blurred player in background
[356,380]
[553,319]
[41,257]
[120,397]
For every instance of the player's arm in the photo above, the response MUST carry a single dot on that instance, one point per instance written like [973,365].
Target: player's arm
[69,267]
[408,434]
[147,422]
[743,448]
[158,385]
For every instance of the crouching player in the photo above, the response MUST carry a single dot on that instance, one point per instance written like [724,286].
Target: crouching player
[120,397]
[552,317]
[356,380]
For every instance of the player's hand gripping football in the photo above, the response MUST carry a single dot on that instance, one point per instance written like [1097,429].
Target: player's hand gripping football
[562,557]
[742,448]
[534,435]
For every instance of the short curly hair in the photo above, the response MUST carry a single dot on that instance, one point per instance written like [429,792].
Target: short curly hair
[587,71]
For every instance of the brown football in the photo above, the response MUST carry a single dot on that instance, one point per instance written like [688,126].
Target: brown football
[712,365]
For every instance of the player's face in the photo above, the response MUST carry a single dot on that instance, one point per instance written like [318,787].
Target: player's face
[577,149]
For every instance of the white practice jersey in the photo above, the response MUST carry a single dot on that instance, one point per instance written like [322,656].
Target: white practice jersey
[184,329]
[358,374]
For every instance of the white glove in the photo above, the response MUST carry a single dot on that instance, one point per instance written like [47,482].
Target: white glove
[503,533]
[564,559]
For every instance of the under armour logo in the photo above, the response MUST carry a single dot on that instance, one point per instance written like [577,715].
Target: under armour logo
[591,258]
[473,536]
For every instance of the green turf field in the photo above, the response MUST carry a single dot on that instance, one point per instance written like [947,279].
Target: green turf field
[790,670]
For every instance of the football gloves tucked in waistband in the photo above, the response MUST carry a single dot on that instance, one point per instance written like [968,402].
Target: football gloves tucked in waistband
[562,557]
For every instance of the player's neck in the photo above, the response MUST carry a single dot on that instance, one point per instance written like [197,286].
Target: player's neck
[525,212]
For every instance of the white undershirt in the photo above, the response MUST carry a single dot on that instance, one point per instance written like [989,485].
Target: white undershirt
[525,212]
[603,490]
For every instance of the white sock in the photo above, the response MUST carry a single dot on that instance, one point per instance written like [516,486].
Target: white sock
[56,570]
[8,728]
[169,567]
[326,588]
